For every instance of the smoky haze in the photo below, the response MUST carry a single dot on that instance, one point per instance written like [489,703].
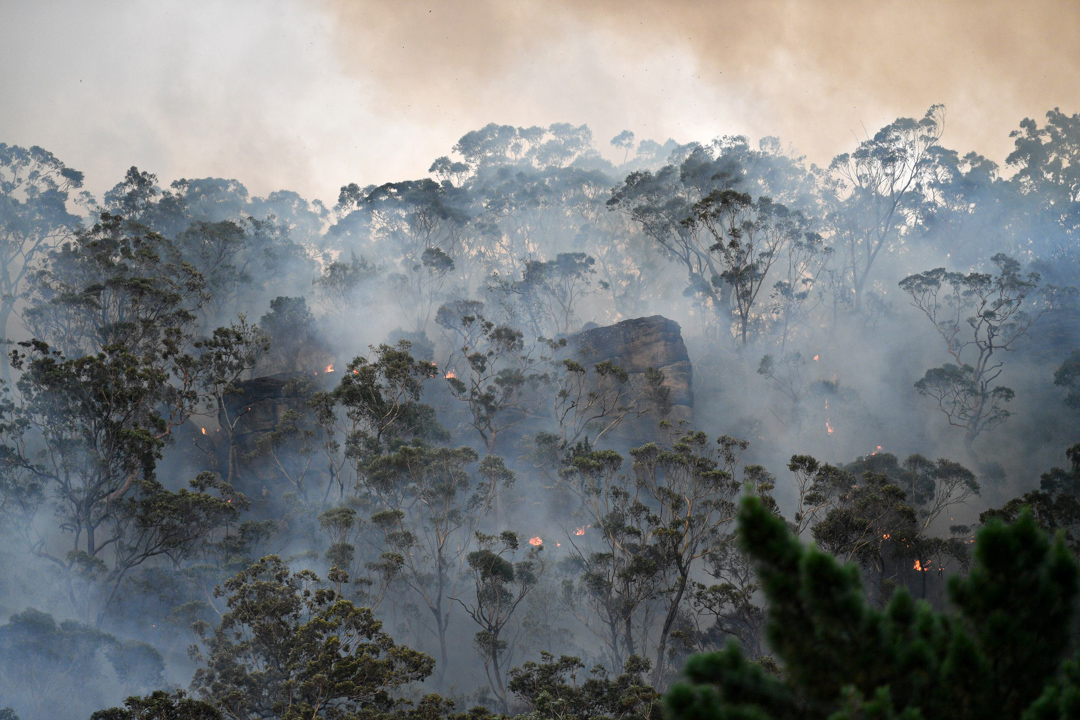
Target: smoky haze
[461,299]
[312,95]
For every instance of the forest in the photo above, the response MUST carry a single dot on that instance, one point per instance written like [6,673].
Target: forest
[564,429]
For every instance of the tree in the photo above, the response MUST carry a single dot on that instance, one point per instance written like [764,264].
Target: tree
[288,647]
[500,377]
[380,399]
[89,431]
[501,585]
[54,669]
[550,688]
[161,705]
[34,188]
[428,509]
[416,226]
[341,282]
[291,329]
[748,236]
[225,357]
[1068,377]
[594,401]
[1046,165]
[625,142]
[116,284]
[1055,505]
[1000,653]
[550,291]
[877,189]
[977,315]
[881,514]
[702,183]
[691,489]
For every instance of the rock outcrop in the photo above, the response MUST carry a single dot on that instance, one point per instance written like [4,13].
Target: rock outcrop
[636,345]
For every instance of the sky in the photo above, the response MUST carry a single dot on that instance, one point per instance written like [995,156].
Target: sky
[309,95]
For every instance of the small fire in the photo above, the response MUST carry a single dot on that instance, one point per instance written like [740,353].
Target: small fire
[919,568]
[886,536]
[828,427]
[330,368]
[815,358]
[536,541]
[450,375]
[203,430]
[876,451]
[581,530]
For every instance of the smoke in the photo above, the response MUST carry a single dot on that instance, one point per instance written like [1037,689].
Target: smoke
[815,74]
[313,95]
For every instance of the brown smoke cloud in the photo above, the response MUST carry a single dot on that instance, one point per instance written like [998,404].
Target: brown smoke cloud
[312,94]
[818,74]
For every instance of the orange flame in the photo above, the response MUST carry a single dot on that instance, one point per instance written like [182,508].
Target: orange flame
[918,567]
[581,530]
[815,358]
[886,536]
[876,451]
[450,375]
[203,430]
[330,368]
[536,541]
[828,427]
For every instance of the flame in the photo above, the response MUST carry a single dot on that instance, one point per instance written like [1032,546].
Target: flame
[876,451]
[203,430]
[536,541]
[558,544]
[919,568]
[581,530]
[815,358]
[828,427]
[886,536]
[330,368]
[450,375]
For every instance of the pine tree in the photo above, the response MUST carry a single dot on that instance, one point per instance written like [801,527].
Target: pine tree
[998,653]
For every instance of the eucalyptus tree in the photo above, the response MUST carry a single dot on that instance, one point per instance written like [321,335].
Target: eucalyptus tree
[749,237]
[34,219]
[980,317]
[428,507]
[289,647]
[876,191]
[491,371]
[416,228]
[501,582]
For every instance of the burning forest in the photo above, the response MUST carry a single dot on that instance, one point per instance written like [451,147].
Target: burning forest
[679,423]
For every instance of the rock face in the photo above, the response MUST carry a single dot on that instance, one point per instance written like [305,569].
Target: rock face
[635,346]
[260,408]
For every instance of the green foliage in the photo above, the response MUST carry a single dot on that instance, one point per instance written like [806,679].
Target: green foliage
[160,705]
[1068,377]
[1055,505]
[977,315]
[291,328]
[289,648]
[995,655]
[551,688]
[50,669]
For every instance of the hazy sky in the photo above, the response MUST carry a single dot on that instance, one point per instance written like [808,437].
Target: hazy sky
[311,94]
